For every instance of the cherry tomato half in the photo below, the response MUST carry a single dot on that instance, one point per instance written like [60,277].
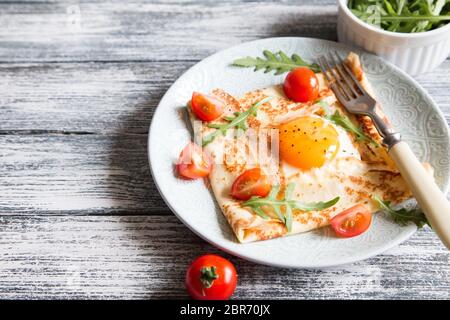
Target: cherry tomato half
[301,85]
[193,163]
[211,277]
[250,183]
[352,222]
[206,108]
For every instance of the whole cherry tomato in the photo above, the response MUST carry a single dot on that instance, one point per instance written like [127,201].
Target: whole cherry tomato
[301,85]
[211,277]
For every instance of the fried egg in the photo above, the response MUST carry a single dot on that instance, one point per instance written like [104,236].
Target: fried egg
[312,142]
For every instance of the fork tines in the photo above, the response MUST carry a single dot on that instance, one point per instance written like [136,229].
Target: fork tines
[342,80]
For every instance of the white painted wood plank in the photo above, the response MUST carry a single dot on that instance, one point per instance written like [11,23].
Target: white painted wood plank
[121,30]
[146,257]
[112,97]
[76,174]
[86,97]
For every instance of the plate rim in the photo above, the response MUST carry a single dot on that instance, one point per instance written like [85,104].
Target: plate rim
[345,261]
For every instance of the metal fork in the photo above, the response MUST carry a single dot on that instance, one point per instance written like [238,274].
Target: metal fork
[356,100]
[353,96]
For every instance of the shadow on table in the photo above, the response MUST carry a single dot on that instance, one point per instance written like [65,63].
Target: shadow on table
[322,26]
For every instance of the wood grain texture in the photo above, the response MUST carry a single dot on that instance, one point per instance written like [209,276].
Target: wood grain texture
[146,257]
[151,30]
[79,214]
[76,174]
[84,97]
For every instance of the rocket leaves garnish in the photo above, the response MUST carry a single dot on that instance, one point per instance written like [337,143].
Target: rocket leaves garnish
[286,204]
[238,121]
[405,16]
[280,62]
[343,121]
[403,216]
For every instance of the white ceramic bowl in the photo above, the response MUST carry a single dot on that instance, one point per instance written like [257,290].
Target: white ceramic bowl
[415,53]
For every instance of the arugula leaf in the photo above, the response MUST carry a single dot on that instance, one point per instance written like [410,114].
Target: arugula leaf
[238,121]
[343,121]
[403,216]
[256,204]
[279,62]
[405,16]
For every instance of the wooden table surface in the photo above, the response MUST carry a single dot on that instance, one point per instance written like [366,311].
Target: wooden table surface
[79,214]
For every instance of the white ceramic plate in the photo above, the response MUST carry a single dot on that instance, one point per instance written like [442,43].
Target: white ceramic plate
[410,108]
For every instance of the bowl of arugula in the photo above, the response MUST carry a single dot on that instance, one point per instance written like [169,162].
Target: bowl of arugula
[412,34]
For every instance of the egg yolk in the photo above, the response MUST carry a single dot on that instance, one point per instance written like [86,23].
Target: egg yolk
[308,142]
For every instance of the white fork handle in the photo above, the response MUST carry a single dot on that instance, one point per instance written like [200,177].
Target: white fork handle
[428,195]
